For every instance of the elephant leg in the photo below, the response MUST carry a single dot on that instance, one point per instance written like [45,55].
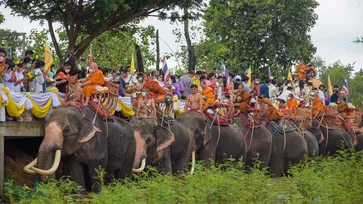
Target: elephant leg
[181,164]
[76,171]
[166,161]
[277,156]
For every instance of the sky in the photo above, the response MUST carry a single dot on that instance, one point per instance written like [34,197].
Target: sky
[340,22]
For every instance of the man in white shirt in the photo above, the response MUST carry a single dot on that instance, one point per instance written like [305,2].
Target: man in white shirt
[9,77]
[19,79]
[321,93]
[273,89]
[38,81]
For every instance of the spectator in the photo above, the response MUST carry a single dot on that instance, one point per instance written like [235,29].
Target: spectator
[38,81]
[272,89]
[265,90]
[187,82]
[178,86]
[9,77]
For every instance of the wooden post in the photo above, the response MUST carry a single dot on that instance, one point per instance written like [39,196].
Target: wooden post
[157,51]
[2,166]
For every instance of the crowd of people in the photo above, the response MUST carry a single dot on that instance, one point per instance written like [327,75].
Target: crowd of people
[200,90]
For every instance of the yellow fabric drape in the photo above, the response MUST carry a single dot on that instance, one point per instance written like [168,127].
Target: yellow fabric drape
[11,107]
[55,90]
[38,111]
[125,110]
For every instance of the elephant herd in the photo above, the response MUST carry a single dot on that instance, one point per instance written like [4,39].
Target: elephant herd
[85,142]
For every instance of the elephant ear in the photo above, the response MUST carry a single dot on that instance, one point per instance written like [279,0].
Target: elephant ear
[164,138]
[88,131]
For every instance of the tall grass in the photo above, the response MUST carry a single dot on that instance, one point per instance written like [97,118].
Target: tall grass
[336,179]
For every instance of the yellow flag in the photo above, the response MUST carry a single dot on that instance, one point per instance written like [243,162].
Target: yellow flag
[249,75]
[289,77]
[132,66]
[330,87]
[48,58]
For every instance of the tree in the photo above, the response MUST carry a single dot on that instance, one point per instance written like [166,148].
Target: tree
[83,21]
[260,33]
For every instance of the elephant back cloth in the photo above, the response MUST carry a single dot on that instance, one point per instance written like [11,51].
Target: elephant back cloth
[215,117]
[330,119]
[104,102]
[283,126]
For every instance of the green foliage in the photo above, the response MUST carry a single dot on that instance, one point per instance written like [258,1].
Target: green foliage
[13,41]
[327,180]
[2,18]
[358,40]
[258,33]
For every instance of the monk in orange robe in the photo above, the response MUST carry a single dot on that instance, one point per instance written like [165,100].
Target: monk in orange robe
[343,108]
[301,70]
[272,113]
[318,105]
[88,84]
[243,98]
[292,103]
[208,96]
[153,87]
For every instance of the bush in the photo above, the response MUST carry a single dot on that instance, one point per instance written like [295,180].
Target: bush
[328,180]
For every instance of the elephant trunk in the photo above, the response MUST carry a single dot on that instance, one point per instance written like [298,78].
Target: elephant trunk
[53,141]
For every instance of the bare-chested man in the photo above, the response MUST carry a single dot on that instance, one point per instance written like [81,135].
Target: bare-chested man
[195,100]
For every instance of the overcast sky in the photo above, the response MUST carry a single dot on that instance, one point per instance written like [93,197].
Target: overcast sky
[339,23]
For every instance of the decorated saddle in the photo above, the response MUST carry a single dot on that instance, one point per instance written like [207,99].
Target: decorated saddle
[284,126]
[104,102]
[353,121]
[216,117]
[303,118]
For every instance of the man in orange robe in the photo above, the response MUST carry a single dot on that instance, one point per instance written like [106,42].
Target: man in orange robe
[301,70]
[88,84]
[272,113]
[243,98]
[208,96]
[153,87]
[292,103]
[318,105]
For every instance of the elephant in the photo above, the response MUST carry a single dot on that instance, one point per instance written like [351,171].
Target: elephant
[288,147]
[312,141]
[88,143]
[158,144]
[258,140]
[213,142]
[334,139]
[359,146]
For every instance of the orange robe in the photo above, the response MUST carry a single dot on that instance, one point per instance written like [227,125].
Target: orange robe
[245,102]
[301,71]
[96,78]
[292,104]
[272,113]
[318,106]
[154,89]
[209,94]
[343,109]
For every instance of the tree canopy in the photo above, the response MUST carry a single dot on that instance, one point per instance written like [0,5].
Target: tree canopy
[83,21]
[260,34]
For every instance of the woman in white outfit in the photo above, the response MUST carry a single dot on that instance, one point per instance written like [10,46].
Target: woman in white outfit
[38,81]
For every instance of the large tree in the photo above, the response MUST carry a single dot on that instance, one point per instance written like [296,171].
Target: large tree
[83,21]
[260,33]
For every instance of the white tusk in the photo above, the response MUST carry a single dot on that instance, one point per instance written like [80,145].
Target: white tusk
[193,163]
[30,165]
[142,167]
[53,168]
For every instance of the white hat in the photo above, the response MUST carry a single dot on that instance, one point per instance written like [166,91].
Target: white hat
[238,77]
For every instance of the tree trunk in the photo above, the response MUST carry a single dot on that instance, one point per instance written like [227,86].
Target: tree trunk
[140,63]
[157,51]
[191,56]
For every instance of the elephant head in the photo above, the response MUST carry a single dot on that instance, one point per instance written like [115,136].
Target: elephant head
[151,140]
[198,126]
[65,131]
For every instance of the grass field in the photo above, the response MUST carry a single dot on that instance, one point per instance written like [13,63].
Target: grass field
[336,179]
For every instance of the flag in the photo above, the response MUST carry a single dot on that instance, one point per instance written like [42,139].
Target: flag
[270,74]
[289,77]
[48,58]
[165,71]
[225,72]
[90,55]
[330,87]
[249,75]
[346,87]
[132,66]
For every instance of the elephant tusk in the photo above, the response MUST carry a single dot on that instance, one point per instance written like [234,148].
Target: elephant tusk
[142,167]
[30,165]
[193,163]
[53,168]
